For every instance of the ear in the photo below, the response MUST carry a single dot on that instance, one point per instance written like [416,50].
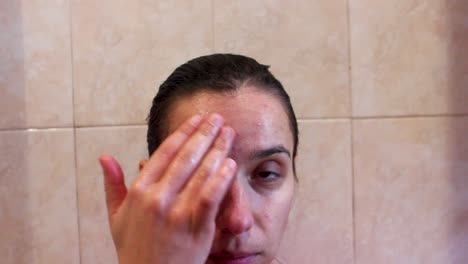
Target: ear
[141,164]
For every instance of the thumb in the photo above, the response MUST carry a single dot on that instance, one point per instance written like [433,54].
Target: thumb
[114,184]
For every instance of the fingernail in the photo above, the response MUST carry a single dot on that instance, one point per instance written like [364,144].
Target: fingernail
[230,164]
[216,120]
[195,120]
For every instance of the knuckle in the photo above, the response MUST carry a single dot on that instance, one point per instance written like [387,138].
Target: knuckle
[208,130]
[156,204]
[177,217]
[204,171]
[186,157]
[165,151]
[137,190]
[187,129]
[223,142]
[220,145]
[207,201]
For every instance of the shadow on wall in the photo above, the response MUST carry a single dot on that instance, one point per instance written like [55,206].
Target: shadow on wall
[15,238]
[12,72]
[458,139]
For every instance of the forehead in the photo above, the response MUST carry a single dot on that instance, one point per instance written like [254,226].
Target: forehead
[258,118]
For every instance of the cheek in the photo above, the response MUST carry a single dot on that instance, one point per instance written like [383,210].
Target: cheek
[275,211]
[273,220]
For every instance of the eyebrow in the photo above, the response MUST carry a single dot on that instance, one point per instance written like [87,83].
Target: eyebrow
[261,154]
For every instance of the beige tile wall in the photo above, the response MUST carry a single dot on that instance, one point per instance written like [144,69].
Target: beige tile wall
[380,88]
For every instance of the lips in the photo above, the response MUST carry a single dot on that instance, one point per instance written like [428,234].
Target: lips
[233,258]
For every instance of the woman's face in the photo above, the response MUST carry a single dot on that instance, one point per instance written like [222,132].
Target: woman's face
[255,210]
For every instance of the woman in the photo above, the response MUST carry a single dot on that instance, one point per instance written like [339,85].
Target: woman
[220,180]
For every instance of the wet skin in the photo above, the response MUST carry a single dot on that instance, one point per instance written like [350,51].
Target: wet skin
[218,190]
[254,213]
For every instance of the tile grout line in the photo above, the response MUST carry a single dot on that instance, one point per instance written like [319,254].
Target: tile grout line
[353,189]
[74,129]
[344,118]
[410,116]
[113,126]
[351,129]
[71,127]
[383,116]
[32,129]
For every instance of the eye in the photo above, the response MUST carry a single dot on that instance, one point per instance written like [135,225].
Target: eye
[267,175]
[267,172]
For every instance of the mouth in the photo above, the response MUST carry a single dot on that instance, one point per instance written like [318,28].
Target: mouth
[233,258]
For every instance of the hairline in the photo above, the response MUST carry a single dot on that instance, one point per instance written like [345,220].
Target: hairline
[165,130]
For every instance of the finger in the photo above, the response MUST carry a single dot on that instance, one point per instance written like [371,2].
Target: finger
[114,183]
[213,194]
[190,155]
[210,163]
[162,157]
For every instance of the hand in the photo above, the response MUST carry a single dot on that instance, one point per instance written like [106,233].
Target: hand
[168,214]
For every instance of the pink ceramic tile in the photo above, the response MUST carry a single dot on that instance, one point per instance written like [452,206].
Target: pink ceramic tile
[128,145]
[38,213]
[411,177]
[409,57]
[320,229]
[35,67]
[305,42]
[123,50]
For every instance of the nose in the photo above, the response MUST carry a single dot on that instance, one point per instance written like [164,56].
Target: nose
[235,216]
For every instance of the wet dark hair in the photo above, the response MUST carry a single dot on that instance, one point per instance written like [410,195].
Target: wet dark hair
[216,73]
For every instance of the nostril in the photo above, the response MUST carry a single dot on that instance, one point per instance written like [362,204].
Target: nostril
[237,224]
